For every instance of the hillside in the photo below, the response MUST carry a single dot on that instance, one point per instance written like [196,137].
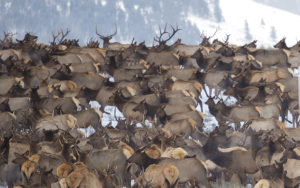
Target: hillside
[140,19]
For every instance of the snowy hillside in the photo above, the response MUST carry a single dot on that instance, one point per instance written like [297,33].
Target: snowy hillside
[244,20]
[265,24]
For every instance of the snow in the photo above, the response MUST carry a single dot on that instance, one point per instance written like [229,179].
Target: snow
[103,3]
[236,12]
[7,5]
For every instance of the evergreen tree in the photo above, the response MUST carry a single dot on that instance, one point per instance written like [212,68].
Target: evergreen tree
[218,11]
[273,34]
[262,22]
[248,36]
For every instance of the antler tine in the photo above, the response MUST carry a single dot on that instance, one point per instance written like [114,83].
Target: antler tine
[174,31]
[98,33]
[55,37]
[214,33]
[108,36]
[161,33]
[156,38]
[6,35]
[227,39]
[63,35]
[113,33]
[165,29]
[160,39]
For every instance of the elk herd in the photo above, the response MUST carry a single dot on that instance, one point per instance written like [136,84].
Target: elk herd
[45,95]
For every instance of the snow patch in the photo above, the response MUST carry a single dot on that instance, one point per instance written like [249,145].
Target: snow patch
[254,13]
[58,8]
[7,5]
[121,6]
[103,3]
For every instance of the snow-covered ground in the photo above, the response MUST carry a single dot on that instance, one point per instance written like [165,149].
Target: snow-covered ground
[261,18]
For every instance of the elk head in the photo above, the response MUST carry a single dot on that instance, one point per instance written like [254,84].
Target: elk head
[281,44]
[106,38]
[162,42]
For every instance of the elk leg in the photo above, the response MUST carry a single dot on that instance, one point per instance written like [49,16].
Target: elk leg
[210,91]
[217,92]
[204,88]
[200,103]
[228,97]
[237,125]
[294,120]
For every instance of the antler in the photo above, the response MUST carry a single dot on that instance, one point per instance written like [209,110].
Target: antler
[55,37]
[108,36]
[7,39]
[226,39]
[160,39]
[205,39]
[63,35]
[8,36]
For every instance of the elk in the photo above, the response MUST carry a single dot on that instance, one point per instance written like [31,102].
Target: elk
[195,115]
[194,88]
[56,87]
[61,122]
[248,93]
[88,117]
[56,105]
[234,114]
[58,41]
[292,173]
[271,76]
[77,175]
[269,111]
[171,109]
[81,177]
[182,74]
[116,159]
[7,40]
[217,80]
[197,175]
[204,59]
[11,170]
[187,61]
[175,153]
[90,80]
[7,84]
[266,183]
[145,156]
[107,38]
[44,161]
[83,67]
[237,159]
[163,58]
[8,123]
[281,45]
[183,127]
[164,175]
[266,124]
[162,43]
[275,57]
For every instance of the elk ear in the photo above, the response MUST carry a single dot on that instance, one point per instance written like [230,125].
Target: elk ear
[20,158]
[153,152]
